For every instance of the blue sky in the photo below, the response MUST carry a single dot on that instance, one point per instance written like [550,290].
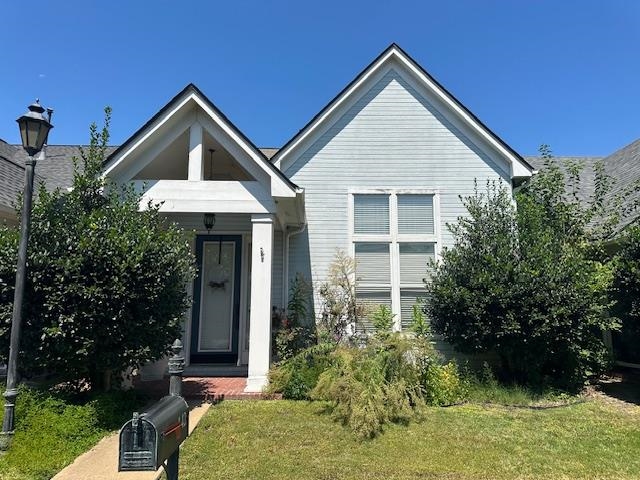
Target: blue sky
[565,73]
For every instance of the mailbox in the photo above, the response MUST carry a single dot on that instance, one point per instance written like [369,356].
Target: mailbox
[149,438]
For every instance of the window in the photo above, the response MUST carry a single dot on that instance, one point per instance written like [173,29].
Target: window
[394,238]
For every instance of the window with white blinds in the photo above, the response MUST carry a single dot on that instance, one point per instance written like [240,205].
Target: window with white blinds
[370,298]
[415,214]
[409,298]
[373,265]
[394,237]
[371,214]
[415,259]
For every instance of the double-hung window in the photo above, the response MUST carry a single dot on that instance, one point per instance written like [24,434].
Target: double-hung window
[394,235]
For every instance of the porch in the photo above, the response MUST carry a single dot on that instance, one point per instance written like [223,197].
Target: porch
[191,161]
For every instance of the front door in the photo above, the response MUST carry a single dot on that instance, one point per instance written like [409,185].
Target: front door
[216,299]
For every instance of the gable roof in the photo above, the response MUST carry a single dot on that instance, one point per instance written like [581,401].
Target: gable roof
[191,89]
[394,51]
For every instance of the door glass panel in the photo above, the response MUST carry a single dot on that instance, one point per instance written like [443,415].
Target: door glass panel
[216,320]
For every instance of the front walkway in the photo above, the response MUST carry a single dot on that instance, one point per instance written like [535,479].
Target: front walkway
[101,462]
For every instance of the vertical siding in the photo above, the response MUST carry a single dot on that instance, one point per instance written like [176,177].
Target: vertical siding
[392,137]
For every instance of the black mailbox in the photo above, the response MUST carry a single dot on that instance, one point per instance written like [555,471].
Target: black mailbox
[149,438]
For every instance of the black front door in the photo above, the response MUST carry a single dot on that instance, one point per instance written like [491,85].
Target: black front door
[216,299]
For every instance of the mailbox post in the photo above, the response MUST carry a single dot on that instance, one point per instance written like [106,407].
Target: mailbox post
[176,369]
[152,437]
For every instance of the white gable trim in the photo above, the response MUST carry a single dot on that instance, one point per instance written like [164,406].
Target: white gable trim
[116,162]
[117,165]
[518,167]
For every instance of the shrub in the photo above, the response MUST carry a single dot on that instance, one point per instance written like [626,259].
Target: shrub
[106,282]
[388,380]
[382,319]
[420,326]
[626,294]
[526,283]
[52,429]
[295,377]
[340,312]
[293,330]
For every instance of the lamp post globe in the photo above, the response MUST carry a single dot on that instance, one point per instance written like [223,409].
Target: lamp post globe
[34,128]
[34,131]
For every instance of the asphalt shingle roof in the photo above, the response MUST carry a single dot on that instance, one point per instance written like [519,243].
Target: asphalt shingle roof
[11,182]
[622,166]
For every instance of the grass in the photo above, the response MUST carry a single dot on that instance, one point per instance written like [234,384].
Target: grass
[591,439]
[489,391]
[53,429]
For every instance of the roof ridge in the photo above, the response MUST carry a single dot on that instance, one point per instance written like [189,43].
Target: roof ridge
[622,149]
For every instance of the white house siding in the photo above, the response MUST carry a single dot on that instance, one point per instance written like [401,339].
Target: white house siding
[392,137]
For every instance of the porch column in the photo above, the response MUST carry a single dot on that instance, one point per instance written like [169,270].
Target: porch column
[260,317]
[196,165]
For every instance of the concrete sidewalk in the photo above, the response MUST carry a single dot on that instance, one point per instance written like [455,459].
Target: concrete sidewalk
[101,462]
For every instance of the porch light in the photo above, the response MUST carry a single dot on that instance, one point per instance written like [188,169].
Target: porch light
[209,221]
[34,128]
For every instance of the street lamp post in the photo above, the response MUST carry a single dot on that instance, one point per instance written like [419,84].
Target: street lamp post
[34,130]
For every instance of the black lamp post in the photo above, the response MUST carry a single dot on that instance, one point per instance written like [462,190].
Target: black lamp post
[34,130]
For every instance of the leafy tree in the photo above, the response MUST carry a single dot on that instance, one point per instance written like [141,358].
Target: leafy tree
[527,282]
[106,282]
[626,293]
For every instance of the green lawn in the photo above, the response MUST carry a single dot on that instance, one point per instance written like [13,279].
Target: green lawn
[296,440]
[53,429]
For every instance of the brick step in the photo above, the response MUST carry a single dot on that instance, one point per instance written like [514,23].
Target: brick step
[212,389]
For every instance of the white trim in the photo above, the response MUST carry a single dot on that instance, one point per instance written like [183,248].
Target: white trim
[278,186]
[127,172]
[191,196]
[116,161]
[336,104]
[196,152]
[394,252]
[518,168]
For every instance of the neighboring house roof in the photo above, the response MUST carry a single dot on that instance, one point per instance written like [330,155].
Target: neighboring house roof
[268,152]
[622,166]
[520,167]
[12,175]
[57,166]
[11,182]
[586,187]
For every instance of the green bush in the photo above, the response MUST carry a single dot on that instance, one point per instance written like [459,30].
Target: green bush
[443,385]
[297,376]
[388,380]
[293,330]
[52,429]
[527,283]
[105,288]
[626,294]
